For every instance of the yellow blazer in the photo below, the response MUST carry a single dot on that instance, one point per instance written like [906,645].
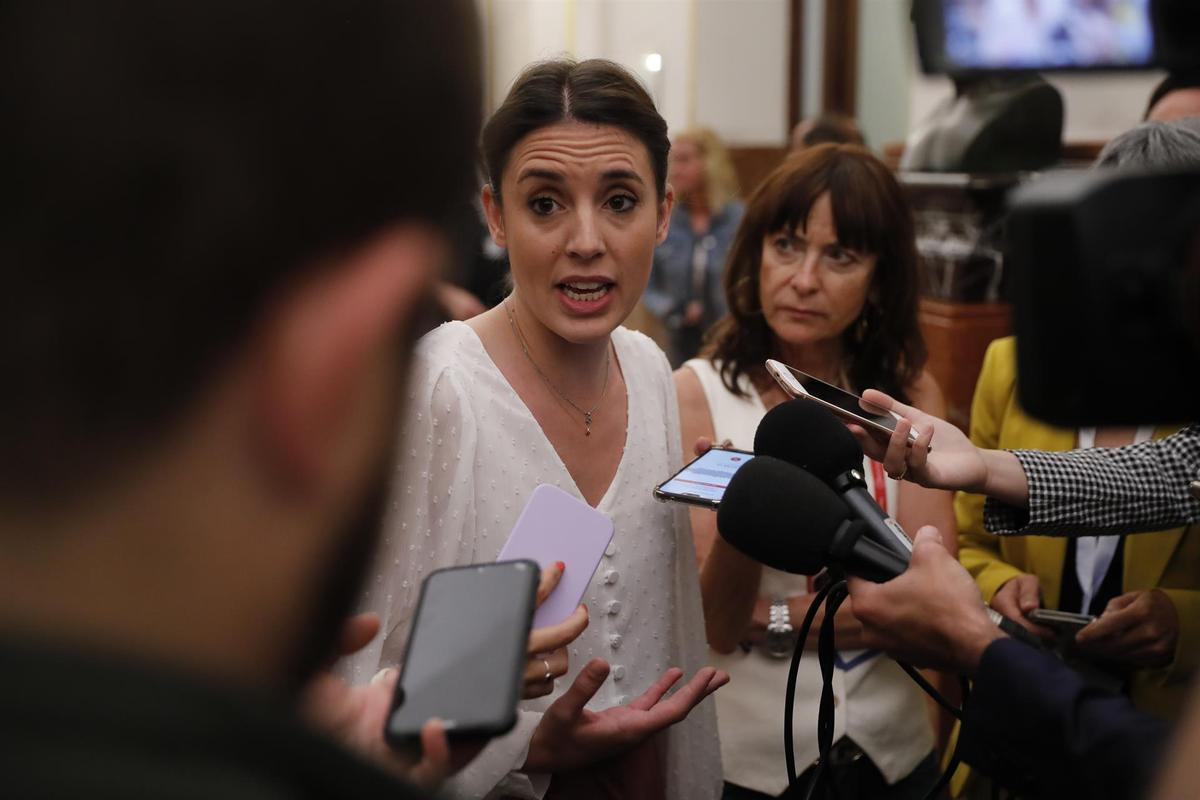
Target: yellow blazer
[1167,560]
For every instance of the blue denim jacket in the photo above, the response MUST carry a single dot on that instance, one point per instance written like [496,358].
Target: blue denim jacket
[671,280]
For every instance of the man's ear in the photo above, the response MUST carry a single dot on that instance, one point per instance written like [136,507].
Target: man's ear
[494,214]
[321,347]
[664,214]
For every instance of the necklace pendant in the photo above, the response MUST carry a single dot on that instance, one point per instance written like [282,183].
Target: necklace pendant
[587,423]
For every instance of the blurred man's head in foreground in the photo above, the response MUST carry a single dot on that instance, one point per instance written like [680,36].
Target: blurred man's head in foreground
[219,223]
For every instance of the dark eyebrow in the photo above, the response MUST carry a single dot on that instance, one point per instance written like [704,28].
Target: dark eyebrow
[622,175]
[546,174]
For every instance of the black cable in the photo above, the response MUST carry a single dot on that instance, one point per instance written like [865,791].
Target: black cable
[832,595]
[954,710]
[952,765]
[827,654]
[789,750]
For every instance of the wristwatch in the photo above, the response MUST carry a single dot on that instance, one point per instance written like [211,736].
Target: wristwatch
[781,636]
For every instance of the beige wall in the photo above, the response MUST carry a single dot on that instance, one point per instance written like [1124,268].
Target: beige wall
[725,63]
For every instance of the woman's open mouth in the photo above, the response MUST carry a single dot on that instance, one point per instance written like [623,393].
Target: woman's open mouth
[586,291]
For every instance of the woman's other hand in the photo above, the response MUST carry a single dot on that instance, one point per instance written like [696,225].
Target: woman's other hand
[569,736]
[1018,596]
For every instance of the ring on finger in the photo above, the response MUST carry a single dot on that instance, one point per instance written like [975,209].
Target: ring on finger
[903,472]
[549,674]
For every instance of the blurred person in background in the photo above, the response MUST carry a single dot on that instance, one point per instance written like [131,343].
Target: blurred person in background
[685,284]
[830,127]
[216,255]
[548,388]
[1144,589]
[1176,97]
[822,276]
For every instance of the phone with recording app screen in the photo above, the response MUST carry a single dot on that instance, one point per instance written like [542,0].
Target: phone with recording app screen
[846,405]
[464,662]
[704,480]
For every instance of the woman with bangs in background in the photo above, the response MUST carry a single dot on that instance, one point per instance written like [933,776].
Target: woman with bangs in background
[823,277]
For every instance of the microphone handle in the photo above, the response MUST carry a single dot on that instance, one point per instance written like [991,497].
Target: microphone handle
[860,555]
[1014,629]
[889,534]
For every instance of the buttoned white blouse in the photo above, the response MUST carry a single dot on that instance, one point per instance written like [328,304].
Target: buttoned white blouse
[471,454]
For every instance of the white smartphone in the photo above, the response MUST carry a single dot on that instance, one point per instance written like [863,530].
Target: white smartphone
[845,404]
[704,480]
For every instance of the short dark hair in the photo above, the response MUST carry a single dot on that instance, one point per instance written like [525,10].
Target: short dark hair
[596,91]
[871,215]
[170,167]
[1172,83]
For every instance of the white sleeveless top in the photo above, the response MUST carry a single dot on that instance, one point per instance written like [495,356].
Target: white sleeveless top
[876,703]
[471,454]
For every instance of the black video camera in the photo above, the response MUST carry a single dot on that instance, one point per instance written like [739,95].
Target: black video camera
[1104,266]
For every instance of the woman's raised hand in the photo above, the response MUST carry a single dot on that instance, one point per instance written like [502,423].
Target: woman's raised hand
[569,736]
[548,645]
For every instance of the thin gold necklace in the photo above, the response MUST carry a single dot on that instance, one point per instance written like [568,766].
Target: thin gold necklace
[587,413]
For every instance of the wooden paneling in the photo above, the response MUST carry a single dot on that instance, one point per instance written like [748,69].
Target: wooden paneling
[841,57]
[795,62]
[752,164]
[958,335]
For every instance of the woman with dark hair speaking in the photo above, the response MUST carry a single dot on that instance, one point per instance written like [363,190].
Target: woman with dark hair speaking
[822,276]
[547,388]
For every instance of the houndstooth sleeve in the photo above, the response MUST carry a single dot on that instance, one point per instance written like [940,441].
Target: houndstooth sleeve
[1142,487]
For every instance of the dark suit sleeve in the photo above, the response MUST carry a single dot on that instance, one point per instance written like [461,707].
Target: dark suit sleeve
[1036,726]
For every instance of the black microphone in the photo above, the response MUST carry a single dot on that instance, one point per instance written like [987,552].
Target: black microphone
[781,516]
[803,433]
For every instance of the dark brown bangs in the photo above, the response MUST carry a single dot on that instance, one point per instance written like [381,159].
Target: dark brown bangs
[859,216]
[871,217]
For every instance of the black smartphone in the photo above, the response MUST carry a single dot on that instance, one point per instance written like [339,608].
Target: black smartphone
[703,482]
[465,658]
[1061,622]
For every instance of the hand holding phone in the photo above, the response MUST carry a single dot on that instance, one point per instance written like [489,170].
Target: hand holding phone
[1065,624]
[466,654]
[703,481]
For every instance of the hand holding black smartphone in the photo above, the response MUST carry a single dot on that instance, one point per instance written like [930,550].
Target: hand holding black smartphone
[465,657]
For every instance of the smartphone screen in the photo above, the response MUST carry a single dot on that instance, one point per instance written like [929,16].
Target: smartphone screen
[706,478]
[466,653]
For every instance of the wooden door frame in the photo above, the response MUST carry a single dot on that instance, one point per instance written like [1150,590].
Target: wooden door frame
[839,67]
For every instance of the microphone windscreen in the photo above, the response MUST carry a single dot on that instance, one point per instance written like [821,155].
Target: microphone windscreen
[804,433]
[780,516]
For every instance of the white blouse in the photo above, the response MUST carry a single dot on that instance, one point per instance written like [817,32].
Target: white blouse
[471,455]
[876,704]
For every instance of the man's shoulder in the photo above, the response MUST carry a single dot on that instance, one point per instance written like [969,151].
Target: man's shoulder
[80,724]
